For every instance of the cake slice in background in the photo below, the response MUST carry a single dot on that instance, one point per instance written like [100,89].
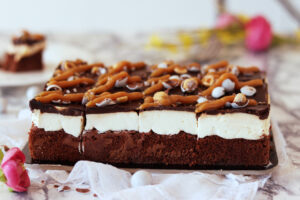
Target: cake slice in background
[25,53]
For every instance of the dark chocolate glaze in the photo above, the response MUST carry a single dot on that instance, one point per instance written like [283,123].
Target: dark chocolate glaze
[71,109]
[27,41]
[262,109]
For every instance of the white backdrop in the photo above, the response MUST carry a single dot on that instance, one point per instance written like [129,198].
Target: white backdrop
[128,16]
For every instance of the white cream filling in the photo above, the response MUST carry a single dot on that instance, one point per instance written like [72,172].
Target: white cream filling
[233,125]
[72,125]
[164,122]
[113,121]
[24,50]
[167,122]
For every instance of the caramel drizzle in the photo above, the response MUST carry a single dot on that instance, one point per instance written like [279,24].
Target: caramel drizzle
[224,63]
[82,68]
[131,66]
[238,84]
[54,95]
[154,88]
[161,71]
[64,84]
[217,65]
[219,103]
[156,79]
[119,67]
[110,82]
[245,70]
[130,96]
[134,79]
[168,100]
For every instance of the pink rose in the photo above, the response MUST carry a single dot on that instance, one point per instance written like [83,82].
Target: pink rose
[13,169]
[227,20]
[258,34]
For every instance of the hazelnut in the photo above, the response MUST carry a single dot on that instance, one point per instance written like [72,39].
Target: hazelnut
[194,67]
[185,76]
[161,98]
[180,70]
[240,98]
[239,101]
[95,70]
[171,83]
[189,85]
[158,96]
[208,80]
[122,99]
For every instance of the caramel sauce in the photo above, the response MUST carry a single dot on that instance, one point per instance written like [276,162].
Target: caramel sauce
[77,81]
[161,71]
[156,79]
[217,65]
[66,74]
[219,103]
[75,97]
[154,88]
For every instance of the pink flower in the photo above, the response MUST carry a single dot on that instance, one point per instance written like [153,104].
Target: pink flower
[258,34]
[227,20]
[13,168]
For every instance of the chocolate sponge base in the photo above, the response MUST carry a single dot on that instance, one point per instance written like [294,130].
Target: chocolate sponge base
[53,146]
[148,150]
[130,148]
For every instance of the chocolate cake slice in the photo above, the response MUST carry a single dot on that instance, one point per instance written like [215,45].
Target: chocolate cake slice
[164,115]
[25,53]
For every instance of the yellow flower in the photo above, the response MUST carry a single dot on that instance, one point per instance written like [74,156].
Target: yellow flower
[186,39]
[155,41]
[298,34]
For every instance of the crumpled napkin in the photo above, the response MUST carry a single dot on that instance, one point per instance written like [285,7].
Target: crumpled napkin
[109,182]
[14,132]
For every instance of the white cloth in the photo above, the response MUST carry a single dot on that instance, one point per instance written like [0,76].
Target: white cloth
[14,132]
[111,183]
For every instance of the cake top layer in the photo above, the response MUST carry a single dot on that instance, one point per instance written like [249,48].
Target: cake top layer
[27,38]
[126,86]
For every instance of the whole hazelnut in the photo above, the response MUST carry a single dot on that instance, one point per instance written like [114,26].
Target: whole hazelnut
[180,70]
[240,98]
[189,85]
[161,98]
[239,101]
[208,80]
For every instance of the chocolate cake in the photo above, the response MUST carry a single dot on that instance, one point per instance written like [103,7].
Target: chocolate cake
[25,53]
[162,116]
